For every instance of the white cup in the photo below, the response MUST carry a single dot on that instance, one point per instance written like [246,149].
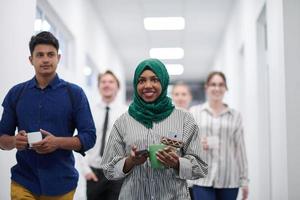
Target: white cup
[213,142]
[34,137]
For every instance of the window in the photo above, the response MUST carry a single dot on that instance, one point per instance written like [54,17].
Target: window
[90,72]
[45,20]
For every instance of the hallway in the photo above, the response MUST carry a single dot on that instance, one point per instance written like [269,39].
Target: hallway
[255,43]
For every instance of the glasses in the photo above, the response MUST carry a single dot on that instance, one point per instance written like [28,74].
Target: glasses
[220,85]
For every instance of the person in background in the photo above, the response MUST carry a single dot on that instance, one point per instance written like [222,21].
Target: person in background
[181,95]
[150,117]
[223,141]
[54,107]
[105,113]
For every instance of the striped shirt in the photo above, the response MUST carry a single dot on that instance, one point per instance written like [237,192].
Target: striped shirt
[144,182]
[227,164]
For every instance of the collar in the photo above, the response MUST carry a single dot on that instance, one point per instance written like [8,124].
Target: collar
[208,109]
[53,84]
[113,104]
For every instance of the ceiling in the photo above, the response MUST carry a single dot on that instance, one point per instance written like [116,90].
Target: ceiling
[205,21]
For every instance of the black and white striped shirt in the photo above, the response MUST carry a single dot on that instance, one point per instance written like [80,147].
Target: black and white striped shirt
[227,164]
[144,182]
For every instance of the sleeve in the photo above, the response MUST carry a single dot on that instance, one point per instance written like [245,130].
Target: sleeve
[241,152]
[114,155]
[8,121]
[191,165]
[84,123]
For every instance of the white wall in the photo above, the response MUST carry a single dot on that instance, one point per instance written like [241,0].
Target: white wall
[279,184]
[265,182]
[87,37]
[16,21]
[291,21]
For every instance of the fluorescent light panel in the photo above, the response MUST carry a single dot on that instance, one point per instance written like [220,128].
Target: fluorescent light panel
[164,23]
[166,53]
[175,69]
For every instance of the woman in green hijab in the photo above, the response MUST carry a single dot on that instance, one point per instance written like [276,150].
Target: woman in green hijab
[151,103]
[151,117]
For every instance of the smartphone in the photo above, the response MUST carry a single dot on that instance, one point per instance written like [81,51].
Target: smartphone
[141,152]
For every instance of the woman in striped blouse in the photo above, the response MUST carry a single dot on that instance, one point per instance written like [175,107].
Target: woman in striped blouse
[223,141]
[150,117]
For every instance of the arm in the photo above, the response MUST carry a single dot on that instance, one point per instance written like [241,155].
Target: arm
[51,143]
[191,165]
[7,142]
[114,157]
[68,143]
[133,159]
[242,157]
[84,124]
[18,141]
[8,124]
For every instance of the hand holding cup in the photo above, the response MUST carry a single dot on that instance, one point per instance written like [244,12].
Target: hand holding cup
[168,157]
[21,141]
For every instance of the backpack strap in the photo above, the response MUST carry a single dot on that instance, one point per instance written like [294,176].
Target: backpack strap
[19,95]
[72,98]
[21,92]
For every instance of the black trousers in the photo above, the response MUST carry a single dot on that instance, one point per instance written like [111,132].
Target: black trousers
[103,188]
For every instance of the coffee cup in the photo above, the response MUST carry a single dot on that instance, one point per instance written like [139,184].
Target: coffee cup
[34,137]
[155,163]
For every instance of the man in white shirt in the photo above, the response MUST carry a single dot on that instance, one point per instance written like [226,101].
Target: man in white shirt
[105,113]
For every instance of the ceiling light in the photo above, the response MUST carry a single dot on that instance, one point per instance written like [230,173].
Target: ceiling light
[166,53]
[174,69]
[164,23]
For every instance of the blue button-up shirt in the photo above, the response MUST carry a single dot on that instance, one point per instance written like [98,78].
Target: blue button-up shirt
[59,109]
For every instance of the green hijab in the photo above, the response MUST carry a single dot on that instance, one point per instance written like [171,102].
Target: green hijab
[148,112]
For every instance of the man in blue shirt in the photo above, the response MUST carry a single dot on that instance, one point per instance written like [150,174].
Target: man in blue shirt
[56,108]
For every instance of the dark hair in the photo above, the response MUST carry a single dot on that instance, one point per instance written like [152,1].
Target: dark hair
[212,74]
[43,37]
[110,73]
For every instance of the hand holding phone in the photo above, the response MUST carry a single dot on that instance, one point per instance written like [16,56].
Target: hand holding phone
[141,153]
